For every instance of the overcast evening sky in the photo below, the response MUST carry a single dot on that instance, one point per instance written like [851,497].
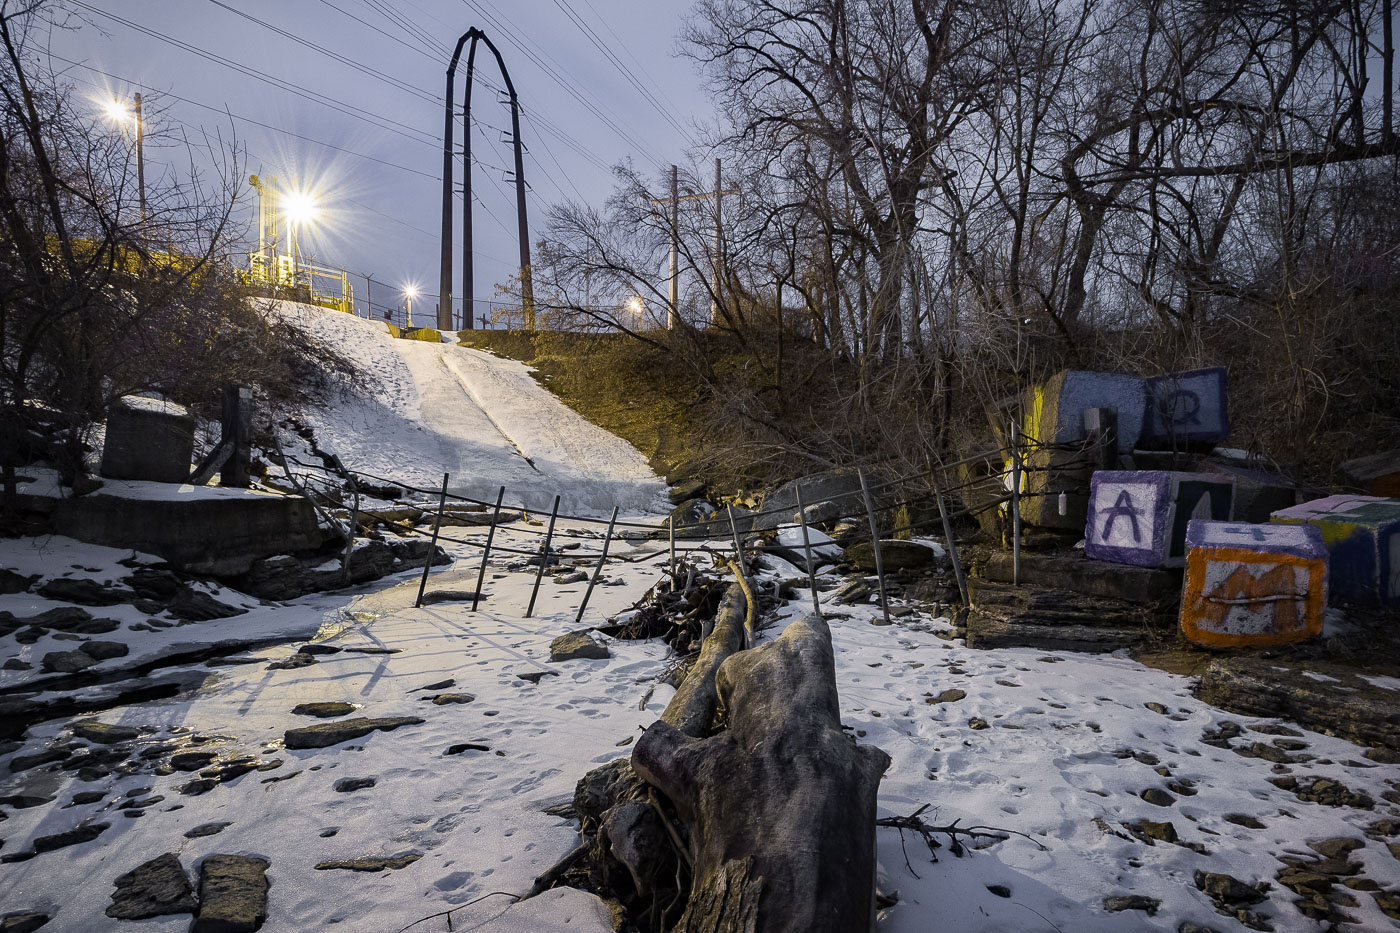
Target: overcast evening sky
[384,218]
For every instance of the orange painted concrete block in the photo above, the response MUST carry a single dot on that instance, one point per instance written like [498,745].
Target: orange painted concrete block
[1253,585]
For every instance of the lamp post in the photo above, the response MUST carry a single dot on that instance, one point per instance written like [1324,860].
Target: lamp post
[410,292]
[299,208]
[117,111]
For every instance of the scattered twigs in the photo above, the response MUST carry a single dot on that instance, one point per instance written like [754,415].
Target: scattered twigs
[552,874]
[915,823]
[681,848]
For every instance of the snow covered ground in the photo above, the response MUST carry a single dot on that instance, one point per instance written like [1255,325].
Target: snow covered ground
[425,409]
[1058,746]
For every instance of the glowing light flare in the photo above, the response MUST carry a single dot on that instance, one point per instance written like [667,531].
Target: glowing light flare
[634,304]
[410,292]
[117,111]
[299,208]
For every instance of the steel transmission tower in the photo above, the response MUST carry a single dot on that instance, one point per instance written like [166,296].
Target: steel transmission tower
[527,291]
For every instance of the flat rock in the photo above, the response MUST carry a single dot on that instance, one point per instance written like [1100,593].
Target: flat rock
[105,650]
[444,699]
[192,761]
[951,695]
[232,894]
[326,734]
[82,591]
[152,889]
[1338,703]
[72,837]
[1120,902]
[24,921]
[324,710]
[207,829]
[895,554]
[578,644]
[370,863]
[66,662]
[451,596]
[102,733]
[194,606]
[348,785]
[11,582]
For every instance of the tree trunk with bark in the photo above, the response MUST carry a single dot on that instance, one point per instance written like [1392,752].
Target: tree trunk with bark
[781,804]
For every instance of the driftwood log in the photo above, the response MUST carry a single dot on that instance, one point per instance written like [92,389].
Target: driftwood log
[780,804]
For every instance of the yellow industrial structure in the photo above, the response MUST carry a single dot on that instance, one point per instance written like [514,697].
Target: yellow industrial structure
[278,264]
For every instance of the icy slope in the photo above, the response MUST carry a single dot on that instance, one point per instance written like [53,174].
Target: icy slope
[425,409]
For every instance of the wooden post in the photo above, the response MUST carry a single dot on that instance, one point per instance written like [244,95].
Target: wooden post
[598,570]
[875,542]
[952,549]
[807,550]
[486,552]
[238,432]
[1101,437]
[734,531]
[671,536]
[1015,504]
[432,548]
[544,558]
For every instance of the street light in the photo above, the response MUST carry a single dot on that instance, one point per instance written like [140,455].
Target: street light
[300,209]
[410,292]
[117,112]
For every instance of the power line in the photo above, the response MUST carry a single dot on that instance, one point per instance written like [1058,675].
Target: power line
[235,116]
[621,69]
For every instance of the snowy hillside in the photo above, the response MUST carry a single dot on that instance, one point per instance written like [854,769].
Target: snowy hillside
[425,409]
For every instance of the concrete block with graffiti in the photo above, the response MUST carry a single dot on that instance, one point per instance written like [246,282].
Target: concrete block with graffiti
[1140,516]
[1052,424]
[1185,408]
[1362,535]
[1253,585]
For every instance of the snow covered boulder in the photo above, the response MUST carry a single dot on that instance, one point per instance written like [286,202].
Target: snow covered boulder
[578,644]
[896,554]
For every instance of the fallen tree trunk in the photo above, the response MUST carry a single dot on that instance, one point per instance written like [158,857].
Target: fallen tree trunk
[781,804]
[692,710]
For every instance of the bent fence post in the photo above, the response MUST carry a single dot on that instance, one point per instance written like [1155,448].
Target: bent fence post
[734,530]
[598,570]
[807,550]
[875,543]
[432,548]
[486,552]
[671,537]
[952,550]
[544,558]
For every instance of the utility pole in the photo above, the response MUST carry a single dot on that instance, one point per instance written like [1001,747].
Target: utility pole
[140,159]
[674,202]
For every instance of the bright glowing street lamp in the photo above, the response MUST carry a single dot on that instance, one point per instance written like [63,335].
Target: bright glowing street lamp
[410,292]
[116,112]
[300,210]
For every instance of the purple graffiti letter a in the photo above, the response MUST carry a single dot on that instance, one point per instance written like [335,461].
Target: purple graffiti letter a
[1122,506]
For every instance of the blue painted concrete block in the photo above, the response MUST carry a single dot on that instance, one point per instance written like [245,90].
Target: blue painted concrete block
[1190,407]
[1362,534]
[1141,516]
